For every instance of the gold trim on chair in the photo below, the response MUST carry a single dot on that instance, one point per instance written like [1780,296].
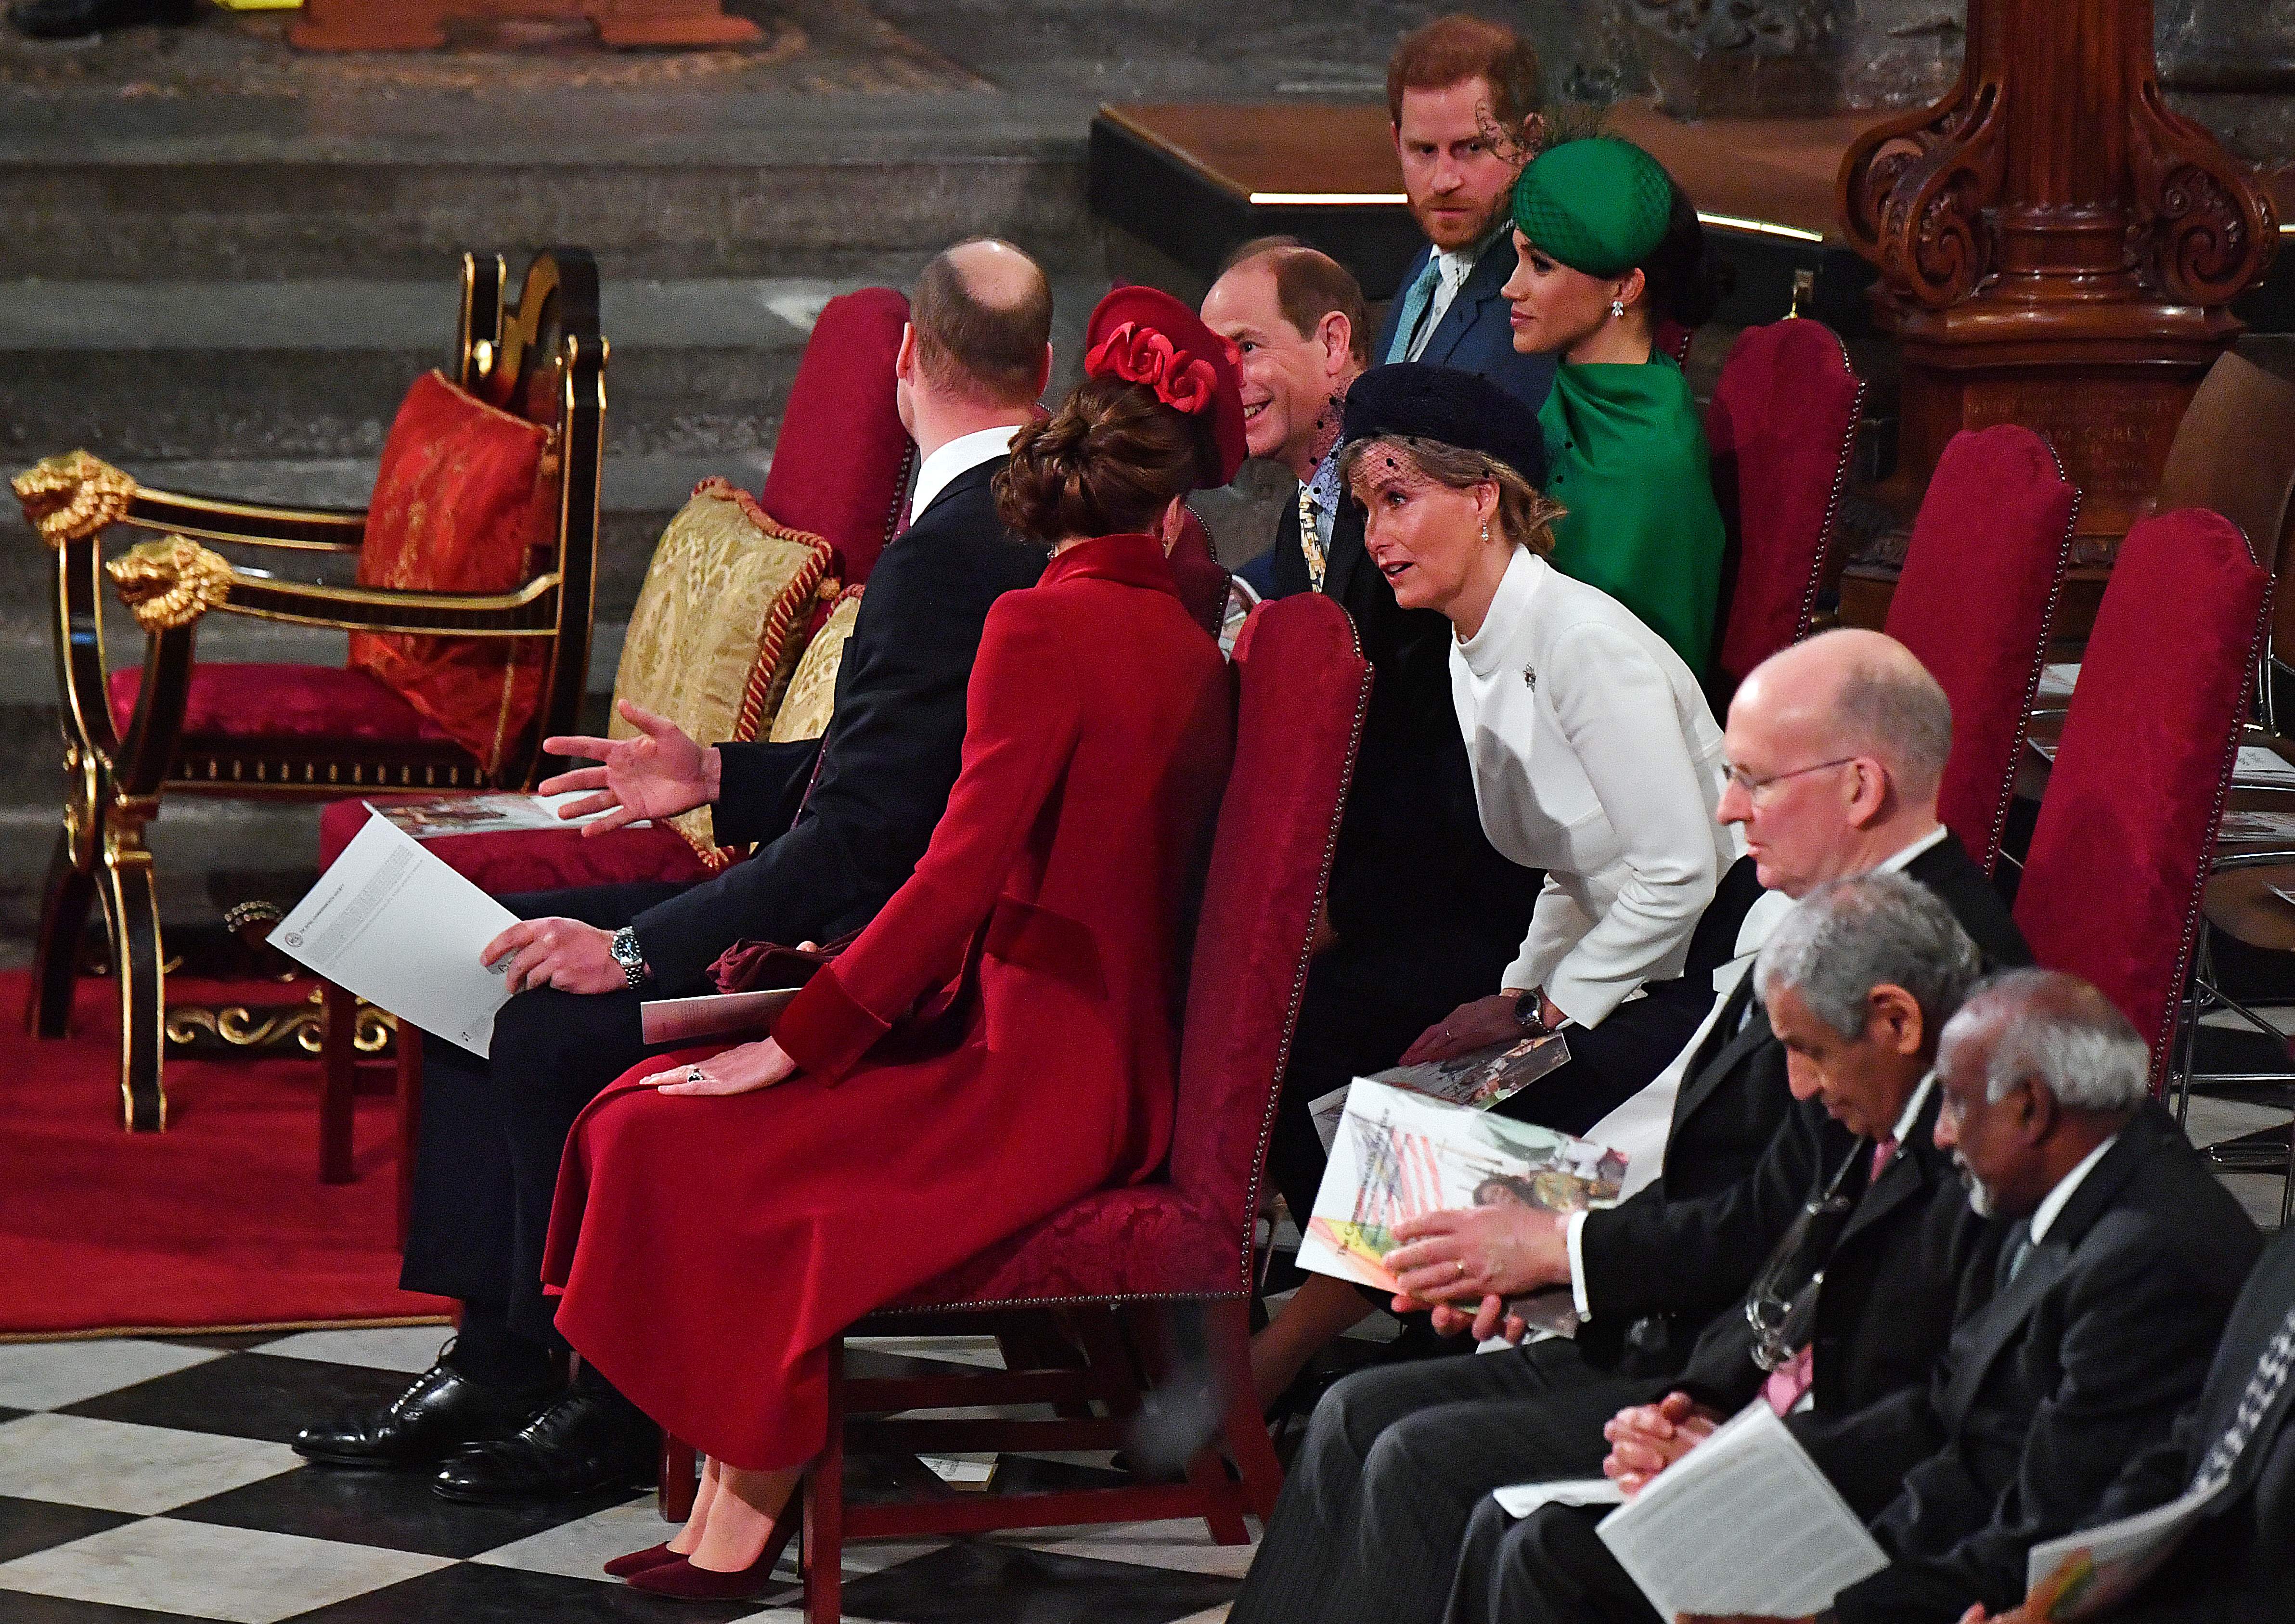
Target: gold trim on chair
[170,582]
[71,497]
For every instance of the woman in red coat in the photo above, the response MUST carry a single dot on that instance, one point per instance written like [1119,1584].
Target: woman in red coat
[998,1043]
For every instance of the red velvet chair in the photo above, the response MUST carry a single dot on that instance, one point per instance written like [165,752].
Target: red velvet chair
[1202,578]
[840,470]
[2113,884]
[1981,578]
[1111,1270]
[1782,427]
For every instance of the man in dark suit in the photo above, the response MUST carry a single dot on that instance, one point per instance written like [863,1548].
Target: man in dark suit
[1462,99]
[1881,1254]
[2235,1562]
[972,363]
[1837,746]
[2121,1264]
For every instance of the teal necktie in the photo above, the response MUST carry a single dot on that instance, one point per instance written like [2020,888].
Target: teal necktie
[1413,309]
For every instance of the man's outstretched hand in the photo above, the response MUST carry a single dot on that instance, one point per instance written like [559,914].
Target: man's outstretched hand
[658,774]
[1465,1262]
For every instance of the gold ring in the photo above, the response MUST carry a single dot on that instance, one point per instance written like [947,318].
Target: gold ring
[1462,1267]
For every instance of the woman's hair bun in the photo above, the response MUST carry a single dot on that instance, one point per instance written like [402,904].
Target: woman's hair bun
[1108,461]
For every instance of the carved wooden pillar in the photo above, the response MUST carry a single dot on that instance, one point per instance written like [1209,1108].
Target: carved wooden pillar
[2056,249]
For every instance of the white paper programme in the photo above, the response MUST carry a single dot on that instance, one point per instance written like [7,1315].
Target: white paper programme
[392,923]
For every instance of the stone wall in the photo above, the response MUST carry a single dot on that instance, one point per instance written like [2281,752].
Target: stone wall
[2229,63]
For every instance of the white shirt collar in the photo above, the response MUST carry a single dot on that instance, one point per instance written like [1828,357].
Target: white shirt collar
[960,456]
[1903,1130]
[1904,859]
[2053,1206]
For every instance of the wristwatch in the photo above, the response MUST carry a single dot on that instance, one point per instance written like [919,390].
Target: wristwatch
[1526,1014]
[627,955]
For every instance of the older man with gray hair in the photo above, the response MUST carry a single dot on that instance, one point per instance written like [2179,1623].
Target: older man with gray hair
[1860,1295]
[1835,748]
[2122,1260]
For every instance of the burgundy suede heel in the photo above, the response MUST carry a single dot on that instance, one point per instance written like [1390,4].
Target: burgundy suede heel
[637,1561]
[680,1577]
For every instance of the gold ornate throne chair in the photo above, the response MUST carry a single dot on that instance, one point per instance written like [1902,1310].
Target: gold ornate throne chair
[476,562]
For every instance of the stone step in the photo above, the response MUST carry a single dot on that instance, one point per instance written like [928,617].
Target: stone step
[315,369]
[657,184]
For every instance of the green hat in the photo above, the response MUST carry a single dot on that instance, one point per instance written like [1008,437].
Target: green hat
[1599,205]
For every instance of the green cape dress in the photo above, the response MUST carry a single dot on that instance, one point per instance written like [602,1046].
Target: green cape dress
[1625,453]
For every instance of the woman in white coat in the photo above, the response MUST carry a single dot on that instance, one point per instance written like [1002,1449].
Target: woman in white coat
[1596,758]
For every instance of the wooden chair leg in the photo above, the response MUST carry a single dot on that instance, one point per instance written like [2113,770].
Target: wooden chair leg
[824,1508]
[131,905]
[1227,1327]
[410,1119]
[338,1064]
[680,1481]
[65,899]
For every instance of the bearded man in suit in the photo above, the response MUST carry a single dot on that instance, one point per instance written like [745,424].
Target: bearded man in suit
[840,827]
[1463,98]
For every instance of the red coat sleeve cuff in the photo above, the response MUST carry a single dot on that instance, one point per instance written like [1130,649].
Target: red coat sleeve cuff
[824,1030]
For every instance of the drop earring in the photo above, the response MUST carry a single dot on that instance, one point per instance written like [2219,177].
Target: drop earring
[1617,307]
[1486,532]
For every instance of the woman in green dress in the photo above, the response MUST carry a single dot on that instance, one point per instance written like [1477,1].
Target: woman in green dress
[1606,244]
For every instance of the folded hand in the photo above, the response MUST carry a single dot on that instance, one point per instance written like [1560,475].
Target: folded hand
[1646,1438]
[736,1071]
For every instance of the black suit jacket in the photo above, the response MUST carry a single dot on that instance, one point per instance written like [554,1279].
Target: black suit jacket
[2237,1564]
[2087,1356]
[884,765]
[1426,911]
[1476,332]
[1687,1246]
[1912,1260]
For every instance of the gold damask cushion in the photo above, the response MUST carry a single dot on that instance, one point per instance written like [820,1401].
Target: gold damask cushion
[805,709]
[718,627]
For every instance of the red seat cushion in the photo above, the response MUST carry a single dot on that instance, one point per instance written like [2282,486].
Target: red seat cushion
[270,704]
[533,859]
[841,459]
[1978,589]
[461,505]
[2112,884]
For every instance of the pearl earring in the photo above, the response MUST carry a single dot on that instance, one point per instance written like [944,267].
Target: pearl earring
[1617,307]
[1486,532]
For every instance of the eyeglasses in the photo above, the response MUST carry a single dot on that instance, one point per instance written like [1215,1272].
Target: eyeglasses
[1781,1307]
[1754,786]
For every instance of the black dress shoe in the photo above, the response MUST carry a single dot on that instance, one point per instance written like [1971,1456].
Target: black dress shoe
[73,19]
[579,1443]
[442,1412]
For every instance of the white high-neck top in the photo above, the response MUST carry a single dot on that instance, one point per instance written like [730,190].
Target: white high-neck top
[1596,759]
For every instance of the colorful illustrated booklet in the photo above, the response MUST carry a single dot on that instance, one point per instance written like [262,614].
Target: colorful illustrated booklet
[1479,1079]
[1399,1153]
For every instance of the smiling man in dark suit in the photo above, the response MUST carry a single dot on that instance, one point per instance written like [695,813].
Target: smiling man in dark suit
[840,829]
[2119,1269]
[1463,98]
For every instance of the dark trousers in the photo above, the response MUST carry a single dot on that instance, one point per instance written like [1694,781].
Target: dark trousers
[1395,1461]
[486,1167]
[1550,1568]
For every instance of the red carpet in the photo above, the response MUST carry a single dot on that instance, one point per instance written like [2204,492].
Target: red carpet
[218,1223]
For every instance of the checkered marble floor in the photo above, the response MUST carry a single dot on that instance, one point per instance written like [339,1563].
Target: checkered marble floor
[144,1480]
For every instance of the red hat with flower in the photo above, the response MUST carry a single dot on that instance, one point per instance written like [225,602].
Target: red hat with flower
[1144,336]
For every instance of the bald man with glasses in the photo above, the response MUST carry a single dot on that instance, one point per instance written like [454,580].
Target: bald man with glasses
[1836,747]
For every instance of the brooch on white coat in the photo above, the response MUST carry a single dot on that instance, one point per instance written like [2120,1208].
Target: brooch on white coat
[1530,679]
